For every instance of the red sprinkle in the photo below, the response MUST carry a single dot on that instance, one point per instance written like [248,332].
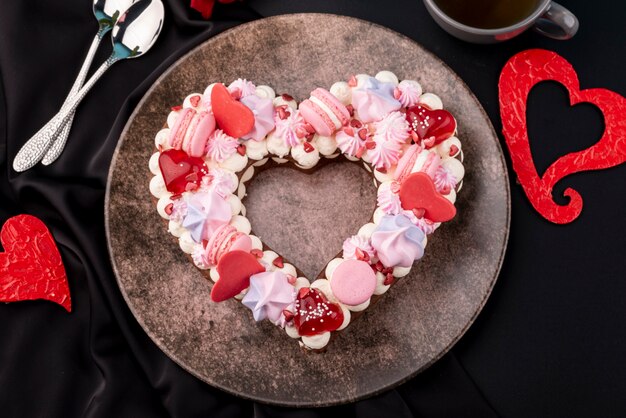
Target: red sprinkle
[291,279]
[282,112]
[176,108]
[169,208]
[388,279]
[241,149]
[379,266]
[453,150]
[397,93]
[257,253]
[278,262]
[352,82]
[301,132]
[205,242]
[236,94]
[370,144]
[363,134]
[360,152]
[195,100]
[309,128]
[382,170]
[350,110]
[419,212]
[308,147]
[303,292]
[286,97]
[395,187]
[348,130]
[288,315]
[361,255]
[355,123]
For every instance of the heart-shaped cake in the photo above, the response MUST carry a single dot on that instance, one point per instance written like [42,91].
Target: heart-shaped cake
[401,135]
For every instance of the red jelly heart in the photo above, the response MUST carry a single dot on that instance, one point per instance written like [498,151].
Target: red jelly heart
[180,171]
[418,192]
[231,116]
[31,266]
[314,314]
[431,126]
[235,269]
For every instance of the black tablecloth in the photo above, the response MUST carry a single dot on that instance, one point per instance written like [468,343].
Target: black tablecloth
[549,342]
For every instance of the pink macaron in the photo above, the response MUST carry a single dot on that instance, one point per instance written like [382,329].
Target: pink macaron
[226,238]
[324,112]
[415,159]
[353,282]
[191,131]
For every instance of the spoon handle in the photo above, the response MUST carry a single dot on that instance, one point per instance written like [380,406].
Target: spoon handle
[59,143]
[36,147]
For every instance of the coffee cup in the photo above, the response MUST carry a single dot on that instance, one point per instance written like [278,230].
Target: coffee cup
[545,16]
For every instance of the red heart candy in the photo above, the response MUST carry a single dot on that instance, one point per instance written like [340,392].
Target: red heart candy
[231,116]
[314,314]
[518,77]
[431,126]
[31,266]
[180,171]
[418,192]
[235,269]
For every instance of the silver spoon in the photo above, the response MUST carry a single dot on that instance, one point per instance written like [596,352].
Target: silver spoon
[107,12]
[133,35]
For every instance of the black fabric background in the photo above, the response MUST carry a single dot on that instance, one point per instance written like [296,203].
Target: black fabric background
[550,341]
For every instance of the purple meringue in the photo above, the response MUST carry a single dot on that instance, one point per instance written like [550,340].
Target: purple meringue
[374,99]
[206,211]
[269,294]
[397,241]
[263,110]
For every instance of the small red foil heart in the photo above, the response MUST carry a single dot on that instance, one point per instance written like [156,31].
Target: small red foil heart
[180,171]
[314,314]
[235,269]
[418,192]
[231,116]
[431,126]
[31,266]
[518,77]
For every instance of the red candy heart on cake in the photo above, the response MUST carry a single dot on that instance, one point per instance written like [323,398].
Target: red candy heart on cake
[31,266]
[180,171]
[235,269]
[314,314]
[431,126]
[231,116]
[418,192]
[537,65]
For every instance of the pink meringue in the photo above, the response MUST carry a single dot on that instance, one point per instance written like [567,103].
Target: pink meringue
[349,142]
[221,146]
[393,127]
[385,153]
[408,93]
[355,242]
[289,127]
[444,180]
[242,88]
[389,202]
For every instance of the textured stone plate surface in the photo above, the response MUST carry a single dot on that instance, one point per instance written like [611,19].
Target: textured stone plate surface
[306,218]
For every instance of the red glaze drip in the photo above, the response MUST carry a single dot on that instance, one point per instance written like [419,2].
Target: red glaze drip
[180,171]
[431,126]
[314,314]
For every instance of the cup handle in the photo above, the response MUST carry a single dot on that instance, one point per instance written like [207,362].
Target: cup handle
[557,23]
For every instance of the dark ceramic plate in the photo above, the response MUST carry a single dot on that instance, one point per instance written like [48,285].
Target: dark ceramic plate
[306,218]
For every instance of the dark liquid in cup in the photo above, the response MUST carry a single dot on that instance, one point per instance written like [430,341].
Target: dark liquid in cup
[487,14]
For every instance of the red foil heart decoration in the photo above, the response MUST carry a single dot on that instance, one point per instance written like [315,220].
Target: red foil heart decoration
[418,192]
[518,77]
[31,266]
[314,314]
[431,126]
[180,171]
